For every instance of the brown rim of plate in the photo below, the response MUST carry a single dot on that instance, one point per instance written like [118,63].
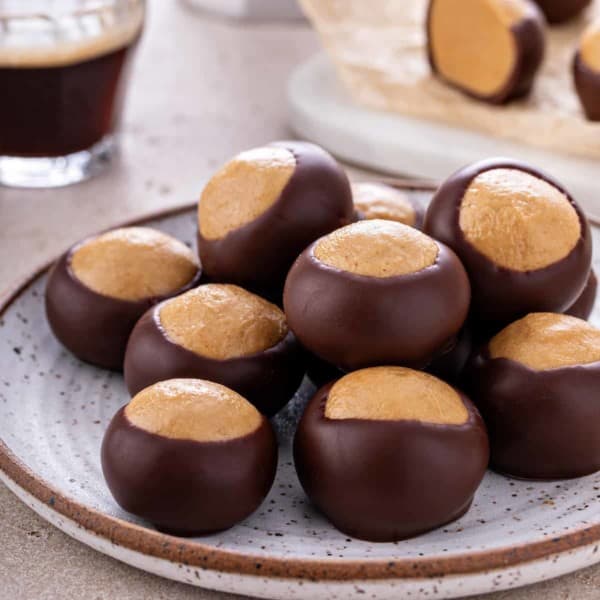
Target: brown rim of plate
[197,554]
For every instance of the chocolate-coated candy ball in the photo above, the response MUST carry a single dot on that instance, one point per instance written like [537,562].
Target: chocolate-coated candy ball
[190,456]
[381,201]
[524,241]
[537,385]
[489,49]
[264,207]
[101,286]
[387,453]
[586,71]
[222,333]
[376,292]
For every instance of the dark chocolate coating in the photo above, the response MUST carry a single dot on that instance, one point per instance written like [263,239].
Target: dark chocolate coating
[559,11]
[320,371]
[419,214]
[587,84]
[353,321]
[316,200]
[186,487]
[389,480]
[502,295]
[94,327]
[542,424]
[267,379]
[583,306]
[449,366]
[530,42]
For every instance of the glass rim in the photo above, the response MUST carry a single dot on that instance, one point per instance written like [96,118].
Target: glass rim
[59,37]
[88,8]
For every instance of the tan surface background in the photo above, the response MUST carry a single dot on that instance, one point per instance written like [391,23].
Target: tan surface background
[204,90]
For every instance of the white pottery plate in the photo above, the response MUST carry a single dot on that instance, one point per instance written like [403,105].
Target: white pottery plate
[53,412]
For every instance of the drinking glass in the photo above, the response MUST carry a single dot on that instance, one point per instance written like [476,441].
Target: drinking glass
[64,67]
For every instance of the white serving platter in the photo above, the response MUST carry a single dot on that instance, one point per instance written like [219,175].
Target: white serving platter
[53,412]
[322,111]
[264,10]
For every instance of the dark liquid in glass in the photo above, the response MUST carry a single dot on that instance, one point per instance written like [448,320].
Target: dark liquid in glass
[57,110]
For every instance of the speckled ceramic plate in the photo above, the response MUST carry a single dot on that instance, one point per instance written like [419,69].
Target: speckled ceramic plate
[53,412]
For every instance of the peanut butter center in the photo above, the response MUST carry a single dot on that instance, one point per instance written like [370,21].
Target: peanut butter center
[377,201]
[222,321]
[544,341]
[134,263]
[395,394]
[377,248]
[244,189]
[193,409]
[517,220]
[590,46]
[472,42]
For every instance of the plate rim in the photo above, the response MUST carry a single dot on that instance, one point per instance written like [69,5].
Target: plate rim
[197,554]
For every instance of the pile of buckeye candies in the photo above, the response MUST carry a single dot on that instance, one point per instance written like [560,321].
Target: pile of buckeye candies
[440,342]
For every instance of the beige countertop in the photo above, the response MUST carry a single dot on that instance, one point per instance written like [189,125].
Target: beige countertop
[203,90]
